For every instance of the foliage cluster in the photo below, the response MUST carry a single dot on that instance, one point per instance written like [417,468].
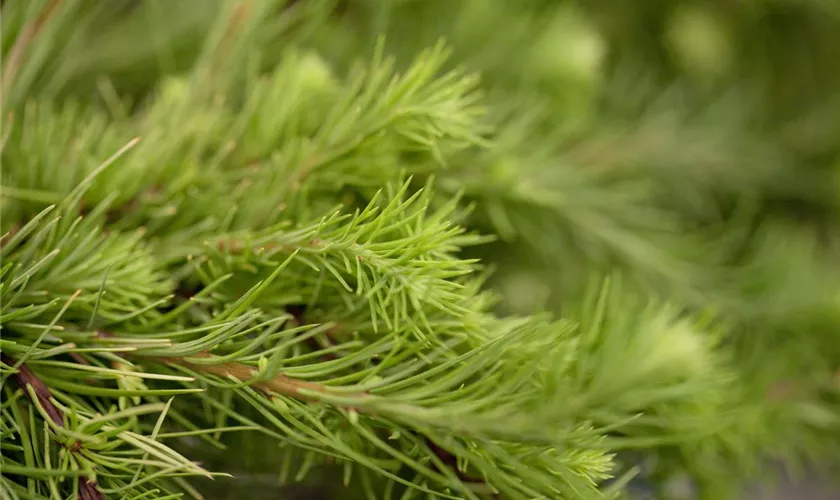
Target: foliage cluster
[567,245]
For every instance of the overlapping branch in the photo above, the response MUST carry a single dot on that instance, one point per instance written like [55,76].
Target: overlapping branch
[35,389]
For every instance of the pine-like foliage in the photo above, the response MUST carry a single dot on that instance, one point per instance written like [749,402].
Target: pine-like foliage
[461,249]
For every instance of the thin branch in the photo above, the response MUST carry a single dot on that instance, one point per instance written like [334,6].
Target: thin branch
[239,15]
[9,234]
[308,166]
[280,384]
[89,491]
[25,377]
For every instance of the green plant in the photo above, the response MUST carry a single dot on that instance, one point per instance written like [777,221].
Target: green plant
[308,236]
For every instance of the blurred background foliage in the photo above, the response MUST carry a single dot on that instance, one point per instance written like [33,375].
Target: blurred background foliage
[693,144]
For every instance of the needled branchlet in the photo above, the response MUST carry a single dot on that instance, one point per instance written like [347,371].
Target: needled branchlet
[443,249]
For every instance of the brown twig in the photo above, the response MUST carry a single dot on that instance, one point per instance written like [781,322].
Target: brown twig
[78,358]
[280,384]
[4,239]
[783,390]
[238,16]
[89,491]
[237,246]
[303,172]
[23,41]
[26,378]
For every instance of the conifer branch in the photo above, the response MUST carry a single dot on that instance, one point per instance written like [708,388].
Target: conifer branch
[33,387]
[279,384]
[300,248]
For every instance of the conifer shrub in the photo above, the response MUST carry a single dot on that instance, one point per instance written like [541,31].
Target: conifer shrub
[440,249]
